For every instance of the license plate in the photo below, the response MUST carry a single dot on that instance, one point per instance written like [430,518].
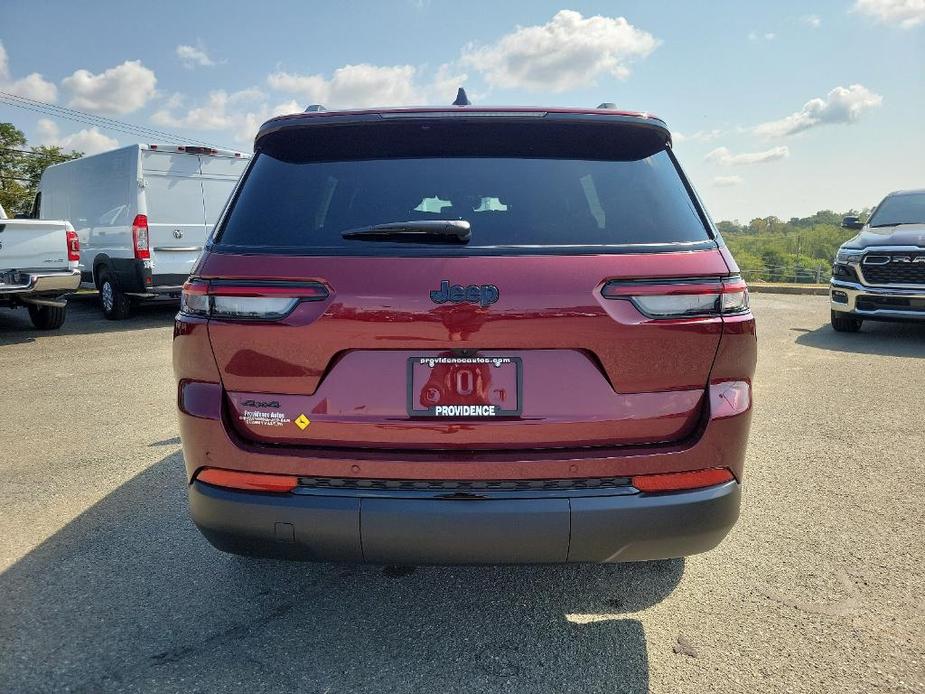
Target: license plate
[464,387]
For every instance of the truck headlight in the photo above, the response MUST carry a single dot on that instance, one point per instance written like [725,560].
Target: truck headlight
[847,256]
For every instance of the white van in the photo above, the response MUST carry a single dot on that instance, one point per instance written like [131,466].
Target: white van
[142,214]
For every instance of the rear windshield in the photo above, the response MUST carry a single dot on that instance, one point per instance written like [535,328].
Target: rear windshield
[513,204]
[908,208]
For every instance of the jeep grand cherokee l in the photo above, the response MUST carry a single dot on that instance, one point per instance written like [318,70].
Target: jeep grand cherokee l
[465,335]
[880,273]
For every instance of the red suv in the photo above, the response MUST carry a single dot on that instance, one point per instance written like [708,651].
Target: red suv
[465,335]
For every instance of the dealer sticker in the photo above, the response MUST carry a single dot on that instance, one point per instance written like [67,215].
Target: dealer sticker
[265,419]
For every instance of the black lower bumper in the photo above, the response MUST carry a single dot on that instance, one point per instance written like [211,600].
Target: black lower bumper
[414,529]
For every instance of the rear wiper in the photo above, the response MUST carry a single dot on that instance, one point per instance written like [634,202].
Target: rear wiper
[425,231]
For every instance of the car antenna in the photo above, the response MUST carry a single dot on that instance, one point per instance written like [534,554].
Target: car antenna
[461,98]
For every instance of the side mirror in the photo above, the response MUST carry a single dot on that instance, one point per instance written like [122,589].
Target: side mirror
[852,223]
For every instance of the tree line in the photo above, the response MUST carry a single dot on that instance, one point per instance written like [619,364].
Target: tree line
[798,250]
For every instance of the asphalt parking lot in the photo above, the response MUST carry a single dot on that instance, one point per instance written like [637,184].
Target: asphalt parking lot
[106,585]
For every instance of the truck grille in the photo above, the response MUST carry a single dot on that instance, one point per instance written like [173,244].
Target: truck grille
[894,268]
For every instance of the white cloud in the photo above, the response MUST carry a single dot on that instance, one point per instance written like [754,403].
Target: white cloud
[904,13]
[363,85]
[219,112]
[194,56]
[121,89]
[88,140]
[811,20]
[567,52]
[722,155]
[727,181]
[699,136]
[841,105]
[32,86]
[767,36]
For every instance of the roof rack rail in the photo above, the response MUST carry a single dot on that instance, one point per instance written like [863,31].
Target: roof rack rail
[315,108]
[461,98]
[608,105]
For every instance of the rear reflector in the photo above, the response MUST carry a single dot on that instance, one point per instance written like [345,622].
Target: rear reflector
[687,298]
[251,481]
[676,481]
[247,300]
[140,240]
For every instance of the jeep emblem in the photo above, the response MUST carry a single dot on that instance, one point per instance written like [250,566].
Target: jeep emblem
[481,294]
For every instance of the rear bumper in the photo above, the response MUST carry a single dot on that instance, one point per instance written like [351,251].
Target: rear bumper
[419,528]
[877,303]
[42,283]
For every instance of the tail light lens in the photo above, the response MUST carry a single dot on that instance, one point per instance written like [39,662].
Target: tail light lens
[230,300]
[73,247]
[140,238]
[667,299]
[679,481]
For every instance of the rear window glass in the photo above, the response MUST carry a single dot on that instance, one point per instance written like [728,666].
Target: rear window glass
[513,204]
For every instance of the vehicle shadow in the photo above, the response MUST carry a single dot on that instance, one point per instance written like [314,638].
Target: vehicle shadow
[85,317]
[889,339]
[129,596]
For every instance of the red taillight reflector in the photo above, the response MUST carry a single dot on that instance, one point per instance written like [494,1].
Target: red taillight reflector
[251,481]
[676,481]
[618,289]
[140,239]
[73,246]
[310,291]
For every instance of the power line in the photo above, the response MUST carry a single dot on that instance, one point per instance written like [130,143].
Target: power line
[21,151]
[76,115]
[88,118]
[97,121]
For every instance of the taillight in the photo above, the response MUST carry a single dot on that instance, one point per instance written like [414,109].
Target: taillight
[678,481]
[251,481]
[247,300]
[140,238]
[73,247]
[667,299]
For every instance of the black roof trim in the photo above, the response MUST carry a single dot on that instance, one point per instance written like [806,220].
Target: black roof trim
[334,118]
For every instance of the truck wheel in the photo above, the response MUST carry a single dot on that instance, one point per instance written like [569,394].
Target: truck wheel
[115,305]
[845,324]
[47,317]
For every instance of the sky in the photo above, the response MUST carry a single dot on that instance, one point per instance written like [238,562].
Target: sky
[779,108]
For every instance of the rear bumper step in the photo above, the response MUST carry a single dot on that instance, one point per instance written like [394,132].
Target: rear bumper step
[415,528]
[43,283]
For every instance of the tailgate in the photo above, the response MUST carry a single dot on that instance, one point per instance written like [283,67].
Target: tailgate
[33,244]
[581,370]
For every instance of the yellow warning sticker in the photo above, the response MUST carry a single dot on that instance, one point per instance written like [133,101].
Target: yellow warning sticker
[302,421]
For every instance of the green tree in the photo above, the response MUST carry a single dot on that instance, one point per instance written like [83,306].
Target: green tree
[21,167]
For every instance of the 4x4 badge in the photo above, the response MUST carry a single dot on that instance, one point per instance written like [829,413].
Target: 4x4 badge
[482,294]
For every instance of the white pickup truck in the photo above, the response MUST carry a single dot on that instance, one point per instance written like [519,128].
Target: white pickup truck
[38,267]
